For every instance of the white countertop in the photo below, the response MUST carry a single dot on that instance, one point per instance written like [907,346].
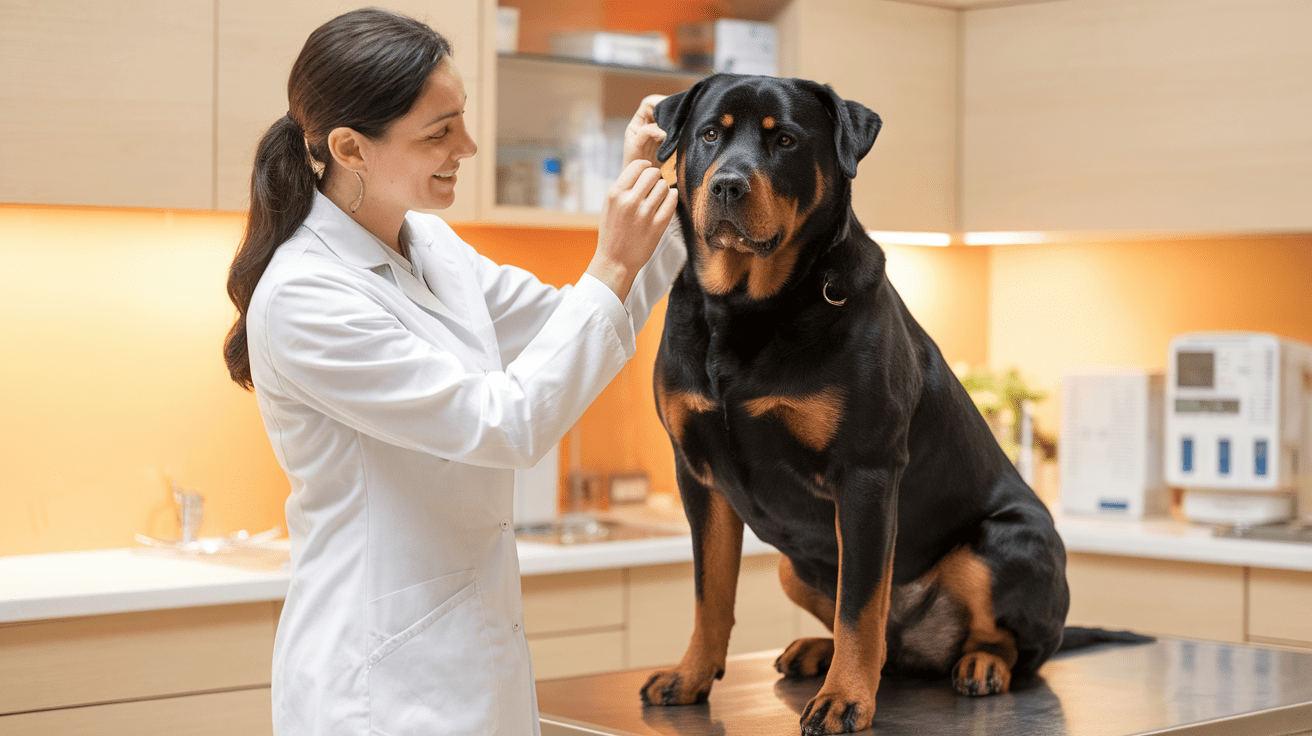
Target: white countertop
[1165,539]
[66,584]
[69,584]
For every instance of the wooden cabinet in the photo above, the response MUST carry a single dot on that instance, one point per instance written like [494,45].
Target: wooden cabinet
[108,104]
[194,671]
[257,44]
[584,623]
[1126,115]
[1191,600]
[1157,596]
[900,60]
[1280,607]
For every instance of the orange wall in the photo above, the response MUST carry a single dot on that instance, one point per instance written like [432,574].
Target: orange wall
[112,378]
[1059,306]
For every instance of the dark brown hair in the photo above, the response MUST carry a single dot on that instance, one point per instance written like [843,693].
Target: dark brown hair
[361,70]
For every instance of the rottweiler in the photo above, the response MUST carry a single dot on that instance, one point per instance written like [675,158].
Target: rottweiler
[803,399]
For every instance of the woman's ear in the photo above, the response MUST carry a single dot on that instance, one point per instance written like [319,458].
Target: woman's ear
[345,146]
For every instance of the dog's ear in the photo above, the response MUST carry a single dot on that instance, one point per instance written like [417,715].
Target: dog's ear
[671,114]
[855,127]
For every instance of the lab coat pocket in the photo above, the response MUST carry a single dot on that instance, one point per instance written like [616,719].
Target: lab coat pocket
[432,676]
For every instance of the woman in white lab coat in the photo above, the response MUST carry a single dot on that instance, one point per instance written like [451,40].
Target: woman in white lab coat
[401,377]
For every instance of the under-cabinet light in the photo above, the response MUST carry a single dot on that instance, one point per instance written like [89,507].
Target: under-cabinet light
[910,238]
[1003,238]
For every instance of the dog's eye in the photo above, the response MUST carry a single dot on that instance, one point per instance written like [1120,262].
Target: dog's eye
[710,135]
[785,141]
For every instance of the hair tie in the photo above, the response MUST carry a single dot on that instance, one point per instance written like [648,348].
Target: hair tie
[293,120]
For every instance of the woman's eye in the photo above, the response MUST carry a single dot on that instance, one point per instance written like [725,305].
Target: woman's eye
[710,135]
[785,141]
[438,136]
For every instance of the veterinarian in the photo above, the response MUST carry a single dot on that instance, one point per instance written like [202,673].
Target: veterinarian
[402,377]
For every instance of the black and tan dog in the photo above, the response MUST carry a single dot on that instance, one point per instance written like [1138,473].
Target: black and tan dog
[803,399]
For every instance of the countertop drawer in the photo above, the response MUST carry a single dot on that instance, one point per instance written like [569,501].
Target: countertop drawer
[245,712]
[131,656]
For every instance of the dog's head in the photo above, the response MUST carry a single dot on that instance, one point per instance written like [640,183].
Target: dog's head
[756,159]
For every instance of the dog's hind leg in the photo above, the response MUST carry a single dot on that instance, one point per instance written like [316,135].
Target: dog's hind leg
[717,539]
[810,656]
[989,652]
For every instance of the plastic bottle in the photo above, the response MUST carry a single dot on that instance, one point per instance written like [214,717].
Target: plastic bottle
[549,184]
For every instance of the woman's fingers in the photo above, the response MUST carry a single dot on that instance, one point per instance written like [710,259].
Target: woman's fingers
[629,176]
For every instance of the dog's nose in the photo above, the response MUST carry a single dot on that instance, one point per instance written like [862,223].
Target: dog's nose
[729,187]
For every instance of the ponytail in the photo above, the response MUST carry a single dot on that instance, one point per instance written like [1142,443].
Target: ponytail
[282,192]
[361,70]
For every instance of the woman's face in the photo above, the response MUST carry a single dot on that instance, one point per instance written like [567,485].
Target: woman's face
[414,164]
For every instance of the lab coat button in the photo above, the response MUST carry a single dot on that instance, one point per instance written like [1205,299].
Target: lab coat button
[505,524]
[515,626]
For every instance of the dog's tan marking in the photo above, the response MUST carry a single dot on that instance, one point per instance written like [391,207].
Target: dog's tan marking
[765,215]
[768,123]
[810,599]
[726,120]
[860,650]
[676,406]
[813,418]
[703,662]
[967,579]
[670,170]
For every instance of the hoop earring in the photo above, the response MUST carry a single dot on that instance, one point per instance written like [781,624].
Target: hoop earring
[360,198]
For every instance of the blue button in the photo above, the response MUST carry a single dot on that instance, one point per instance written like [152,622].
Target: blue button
[1259,457]
[1223,457]
[1187,454]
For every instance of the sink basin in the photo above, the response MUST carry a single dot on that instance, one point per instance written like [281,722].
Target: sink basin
[587,530]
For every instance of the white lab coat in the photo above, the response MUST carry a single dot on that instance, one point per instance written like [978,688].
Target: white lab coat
[398,405]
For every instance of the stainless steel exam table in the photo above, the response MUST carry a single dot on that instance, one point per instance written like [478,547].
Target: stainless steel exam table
[1171,686]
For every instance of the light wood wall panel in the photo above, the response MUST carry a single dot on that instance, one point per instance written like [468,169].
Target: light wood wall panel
[1131,115]
[577,654]
[98,659]
[899,60]
[107,104]
[258,42]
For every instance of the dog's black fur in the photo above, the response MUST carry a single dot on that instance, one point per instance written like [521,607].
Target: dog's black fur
[835,431]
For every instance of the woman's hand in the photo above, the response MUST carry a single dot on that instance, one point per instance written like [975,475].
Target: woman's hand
[637,209]
[643,136]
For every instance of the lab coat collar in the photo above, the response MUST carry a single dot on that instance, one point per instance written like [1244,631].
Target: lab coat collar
[352,243]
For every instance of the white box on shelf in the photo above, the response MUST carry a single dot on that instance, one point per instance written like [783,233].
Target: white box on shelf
[1111,442]
[629,49]
[737,46]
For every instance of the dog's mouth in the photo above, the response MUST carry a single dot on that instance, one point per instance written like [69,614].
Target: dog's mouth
[728,235]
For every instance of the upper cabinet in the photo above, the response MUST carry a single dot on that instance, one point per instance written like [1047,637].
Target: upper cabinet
[1132,115]
[107,104]
[258,41]
[900,60]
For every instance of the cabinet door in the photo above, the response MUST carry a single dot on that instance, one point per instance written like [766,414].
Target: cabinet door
[1185,599]
[258,42]
[899,60]
[129,656]
[1122,114]
[245,712]
[1280,607]
[107,104]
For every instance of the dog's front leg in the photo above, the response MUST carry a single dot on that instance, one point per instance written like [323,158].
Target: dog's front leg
[865,520]
[717,544]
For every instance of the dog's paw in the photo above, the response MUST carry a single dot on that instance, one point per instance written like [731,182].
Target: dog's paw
[679,687]
[981,673]
[838,711]
[808,657]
